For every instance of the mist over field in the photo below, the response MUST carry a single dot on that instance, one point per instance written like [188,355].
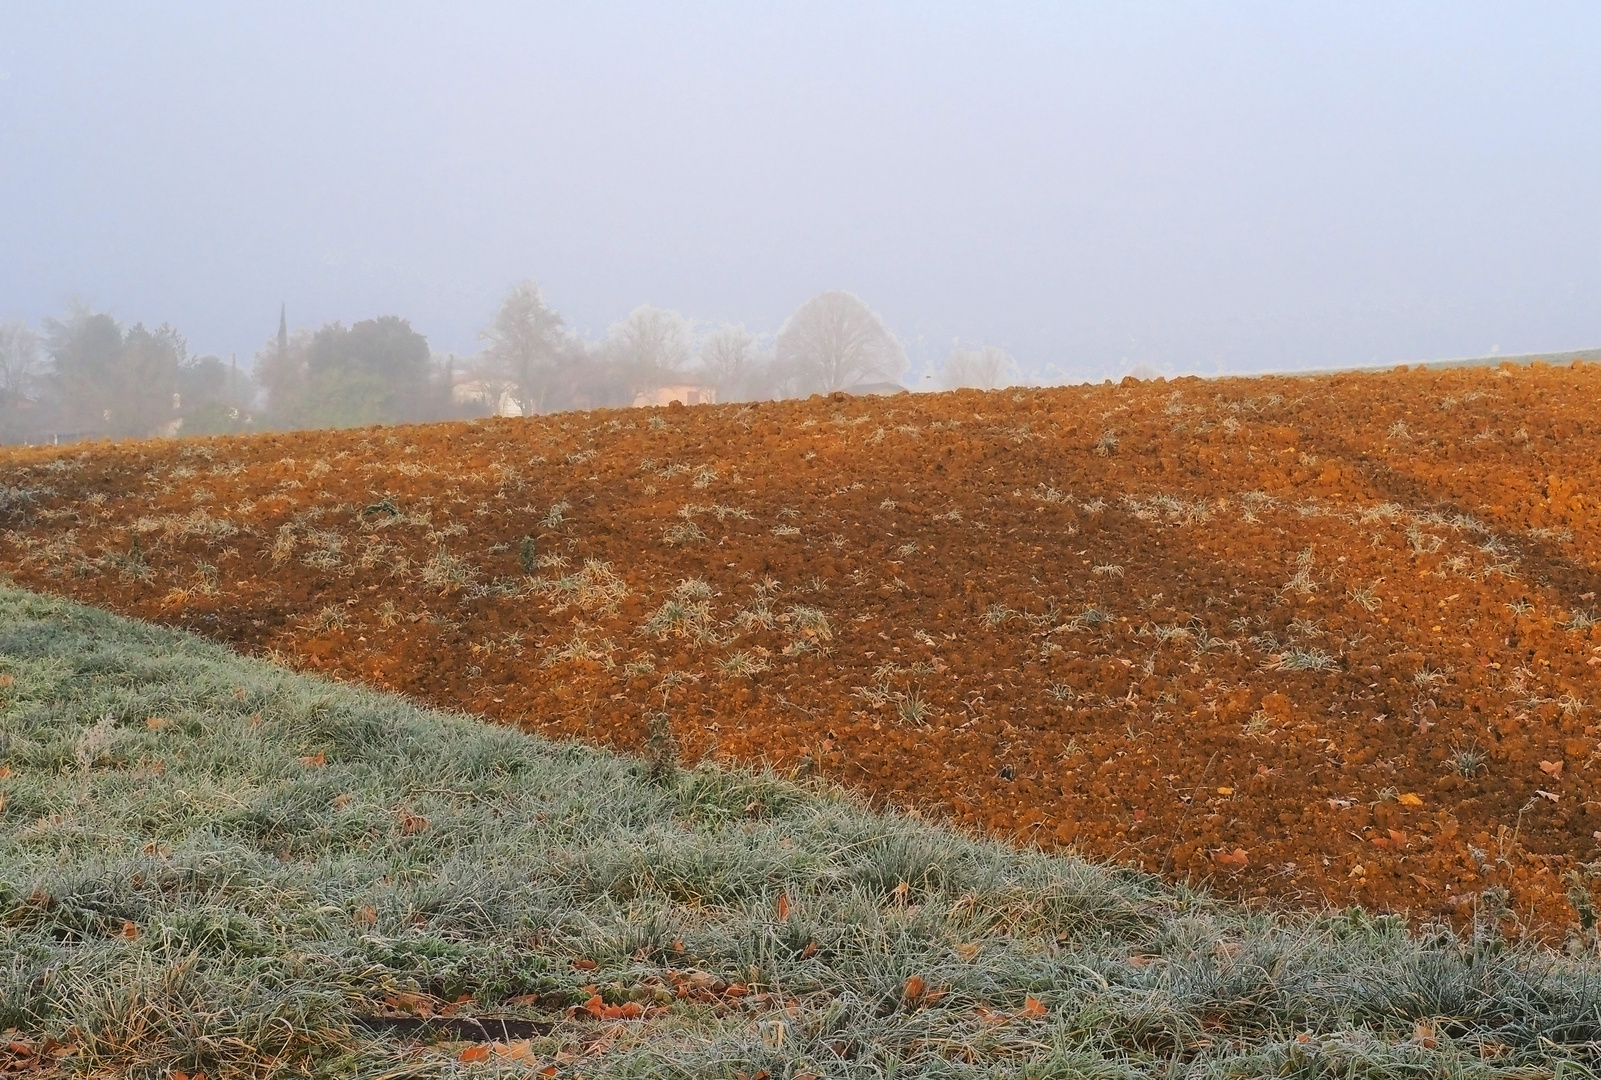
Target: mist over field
[1016,193]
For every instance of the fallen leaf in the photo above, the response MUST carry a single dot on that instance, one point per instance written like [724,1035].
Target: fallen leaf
[412,824]
[157,723]
[1398,838]
[914,987]
[366,915]
[1551,795]
[517,1050]
[315,761]
[810,950]
[1237,857]
[342,801]
[1032,1006]
[130,931]
[1551,768]
[967,952]
[783,907]
[1410,799]
[585,965]
[1225,791]
[415,1004]
[474,1053]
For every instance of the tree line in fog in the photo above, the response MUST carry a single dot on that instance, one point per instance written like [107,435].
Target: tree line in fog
[84,375]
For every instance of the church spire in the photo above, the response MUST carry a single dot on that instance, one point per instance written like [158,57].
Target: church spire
[283,331]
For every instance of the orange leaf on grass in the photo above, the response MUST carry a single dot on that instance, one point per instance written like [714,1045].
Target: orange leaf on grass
[1033,1007]
[315,761]
[585,965]
[783,907]
[474,1053]
[517,1050]
[914,987]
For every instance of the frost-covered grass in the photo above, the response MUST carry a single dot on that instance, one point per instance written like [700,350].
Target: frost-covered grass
[208,863]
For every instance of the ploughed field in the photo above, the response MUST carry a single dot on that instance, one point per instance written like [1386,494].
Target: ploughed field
[1321,639]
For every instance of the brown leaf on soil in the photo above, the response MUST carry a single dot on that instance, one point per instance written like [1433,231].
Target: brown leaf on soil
[1236,858]
[1551,768]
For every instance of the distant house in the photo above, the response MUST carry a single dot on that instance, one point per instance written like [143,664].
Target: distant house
[683,393]
[877,389]
[489,394]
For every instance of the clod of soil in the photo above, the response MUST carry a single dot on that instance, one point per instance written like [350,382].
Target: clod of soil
[1322,640]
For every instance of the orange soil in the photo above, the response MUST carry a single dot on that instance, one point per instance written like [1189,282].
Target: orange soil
[1118,652]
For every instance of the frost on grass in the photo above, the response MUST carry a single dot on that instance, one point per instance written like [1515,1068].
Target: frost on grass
[212,865]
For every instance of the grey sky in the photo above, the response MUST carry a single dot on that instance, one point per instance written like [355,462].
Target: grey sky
[1194,187]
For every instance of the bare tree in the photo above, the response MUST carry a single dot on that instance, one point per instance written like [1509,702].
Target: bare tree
[729,359]
[984,368]
[832,342]
[650,341]
[526,347]
[21,368]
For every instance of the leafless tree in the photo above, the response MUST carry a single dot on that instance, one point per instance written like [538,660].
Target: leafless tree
[729,359]
[526,348]
[832,342]
[21,366]
[650,339]
[984,368]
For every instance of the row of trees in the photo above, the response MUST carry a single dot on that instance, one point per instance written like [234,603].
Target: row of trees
[86,376]
[832,342]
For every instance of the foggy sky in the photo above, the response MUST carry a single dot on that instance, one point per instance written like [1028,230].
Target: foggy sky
[1094,186]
